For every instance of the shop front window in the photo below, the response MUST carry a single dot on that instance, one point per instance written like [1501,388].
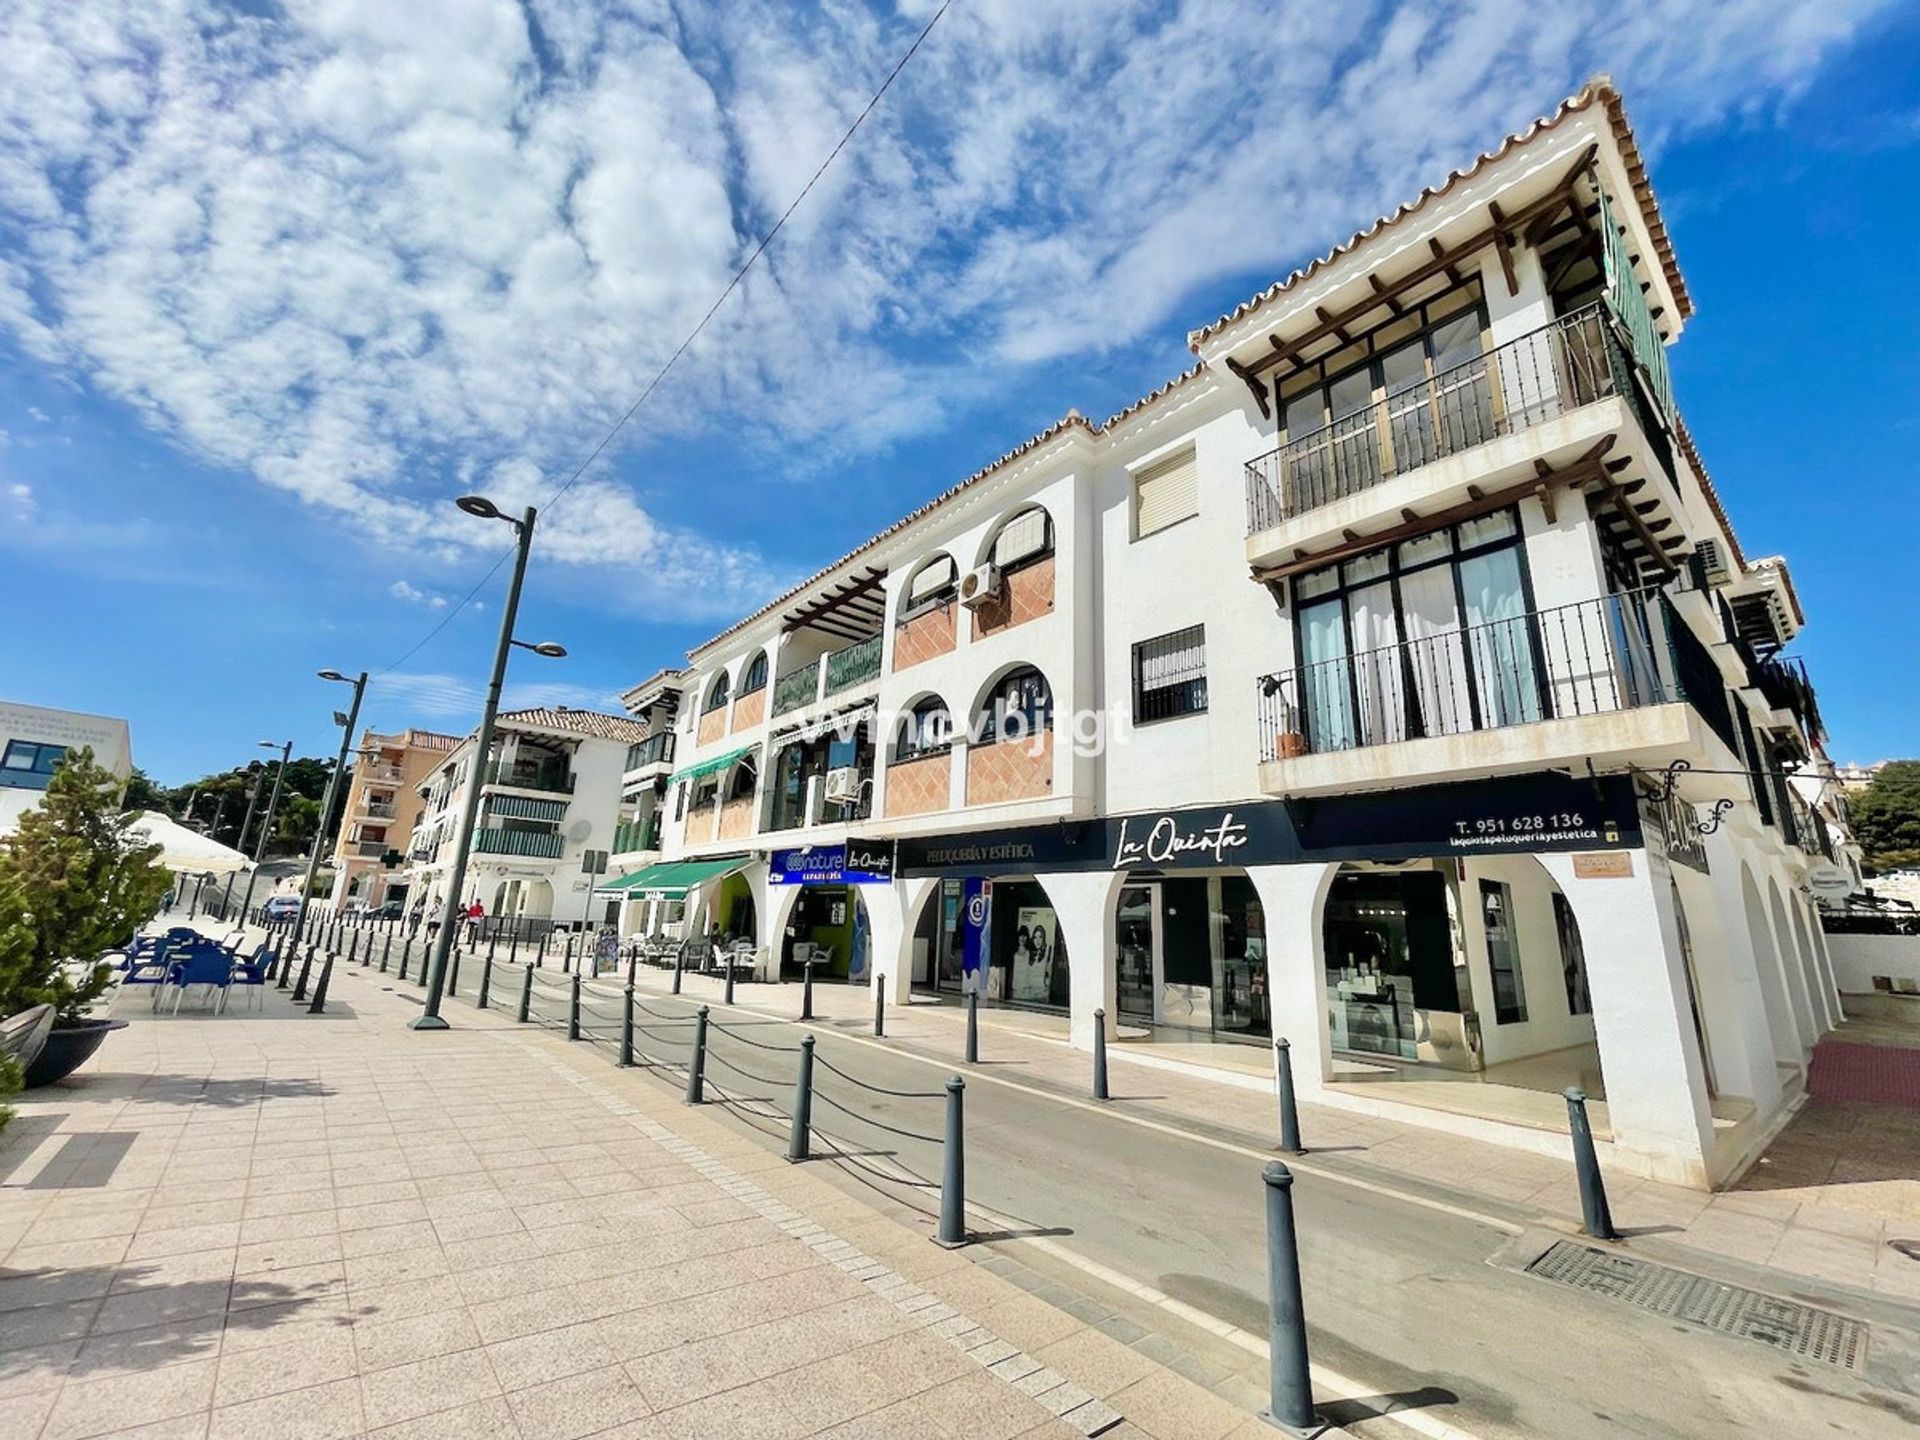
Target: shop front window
[1391,952]
[1503,953]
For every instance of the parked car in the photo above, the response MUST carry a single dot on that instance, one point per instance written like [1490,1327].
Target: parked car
[389,910]
[281,907]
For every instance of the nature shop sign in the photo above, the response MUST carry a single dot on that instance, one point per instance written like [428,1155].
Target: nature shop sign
[858,862]
[1522,814]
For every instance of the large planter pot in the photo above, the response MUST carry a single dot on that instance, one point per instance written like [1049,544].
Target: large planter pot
[68,1048]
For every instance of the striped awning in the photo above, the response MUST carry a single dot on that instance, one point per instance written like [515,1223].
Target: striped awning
[708,767]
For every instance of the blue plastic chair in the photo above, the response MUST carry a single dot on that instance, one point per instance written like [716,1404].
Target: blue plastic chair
[204,965]
[251,973]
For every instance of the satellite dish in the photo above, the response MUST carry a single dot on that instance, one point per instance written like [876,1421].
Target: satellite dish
[580,830]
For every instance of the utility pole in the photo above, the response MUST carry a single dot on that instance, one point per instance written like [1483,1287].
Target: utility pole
[266,824]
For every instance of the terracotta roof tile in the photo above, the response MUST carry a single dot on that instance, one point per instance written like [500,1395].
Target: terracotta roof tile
[623,728]
[1597,91]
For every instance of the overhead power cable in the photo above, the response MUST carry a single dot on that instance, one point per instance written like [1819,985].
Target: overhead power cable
[692,335]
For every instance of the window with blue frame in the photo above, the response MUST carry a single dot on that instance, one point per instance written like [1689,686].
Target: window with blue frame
[28,764]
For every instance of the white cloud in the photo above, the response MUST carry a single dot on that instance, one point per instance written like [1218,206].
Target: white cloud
[35,412]
[375,252]
[413,595]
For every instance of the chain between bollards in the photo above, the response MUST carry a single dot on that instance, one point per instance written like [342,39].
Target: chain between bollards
[1596,1217]
[1100,1055]
[973,1027]
[953,1171]
[1289,1385]
[526,994]
[1283,1085]
[697,1066]
[626,1029]
[573,1009]
[800,1137]
[806,989]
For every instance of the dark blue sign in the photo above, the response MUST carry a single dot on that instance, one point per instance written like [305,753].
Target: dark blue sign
[976,904]
[868,864]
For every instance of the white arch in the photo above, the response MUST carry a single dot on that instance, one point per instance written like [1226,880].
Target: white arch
[992,536]
[1798,991]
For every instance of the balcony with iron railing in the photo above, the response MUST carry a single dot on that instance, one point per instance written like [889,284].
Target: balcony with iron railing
[550,774]
[654,750]
[1621,676]
[538,844]
[1527,383]
[380,772]
[377,809]
[797,688]
[856,664]
[633,836]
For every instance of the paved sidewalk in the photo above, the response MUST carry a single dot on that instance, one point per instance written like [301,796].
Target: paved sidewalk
[1836,1199]
[248,1227]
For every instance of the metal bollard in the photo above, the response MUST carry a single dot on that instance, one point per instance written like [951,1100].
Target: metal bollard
[526,994]
[286,965]
[1289,1387]
[973,1027]
[879,1011]
[406,957]
[486,982]
[566,964]
[493,942]
[1595,1217]
[306,969]
[386,952]
[320,991]
[353,948]
[697,1066]
[513,948]
[800,1136]
[728,993]
[1100,1055]
[679,960]
[633,964]
[806,990]
[1289,1112]
[453,971]
[626,1031]
[426,962]
[953,1171]
[573,1011]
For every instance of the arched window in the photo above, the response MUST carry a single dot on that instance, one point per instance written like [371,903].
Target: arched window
[1024,539]
[742,780]
[756,676]
[927,729]
[1020,704]
[717,696]
[933,584]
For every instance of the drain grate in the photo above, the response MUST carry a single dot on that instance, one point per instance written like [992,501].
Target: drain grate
[1787,1326]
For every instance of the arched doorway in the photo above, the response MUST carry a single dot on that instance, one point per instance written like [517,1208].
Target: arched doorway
[829,925]
[1008,927]
[1191,952]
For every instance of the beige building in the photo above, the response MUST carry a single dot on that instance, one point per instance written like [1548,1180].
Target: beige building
[383,802]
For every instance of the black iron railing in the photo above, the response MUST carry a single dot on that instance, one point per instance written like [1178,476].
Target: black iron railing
[1589,658]
[654,750]
[1539,377]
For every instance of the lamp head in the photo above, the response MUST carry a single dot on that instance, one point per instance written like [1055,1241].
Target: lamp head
[480,506]
[332,675]
[551,650]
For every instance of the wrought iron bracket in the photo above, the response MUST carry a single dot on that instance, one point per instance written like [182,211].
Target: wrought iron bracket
[1711,824]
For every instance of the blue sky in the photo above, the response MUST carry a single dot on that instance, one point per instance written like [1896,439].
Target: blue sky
[275,285]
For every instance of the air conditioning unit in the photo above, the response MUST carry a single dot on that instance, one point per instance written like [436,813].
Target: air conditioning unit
[843,785]
[980,586]
[810,814]
[1713,562]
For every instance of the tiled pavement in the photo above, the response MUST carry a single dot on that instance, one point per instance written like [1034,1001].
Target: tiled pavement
[1836,1199]
[327,1226]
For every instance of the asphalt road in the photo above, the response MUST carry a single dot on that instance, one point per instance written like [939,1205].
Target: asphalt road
[1400,1296]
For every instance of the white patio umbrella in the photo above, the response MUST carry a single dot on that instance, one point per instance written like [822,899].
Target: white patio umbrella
[187,851]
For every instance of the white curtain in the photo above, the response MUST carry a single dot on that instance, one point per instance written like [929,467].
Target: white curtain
[1501,645]
[1438,656]
[1377,675]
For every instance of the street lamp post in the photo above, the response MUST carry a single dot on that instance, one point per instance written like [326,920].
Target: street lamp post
[326,805]
[266,825]
[259,774]
[430,1018]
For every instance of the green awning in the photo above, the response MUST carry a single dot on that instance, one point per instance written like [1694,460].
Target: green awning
[708,767]
[672,879]
[634,880]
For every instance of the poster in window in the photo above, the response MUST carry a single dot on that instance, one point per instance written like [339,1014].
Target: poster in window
[1035,943]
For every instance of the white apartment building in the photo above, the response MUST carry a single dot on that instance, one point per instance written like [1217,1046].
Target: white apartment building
[1443,726]
[33,742]
[383,802]
[549,802]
